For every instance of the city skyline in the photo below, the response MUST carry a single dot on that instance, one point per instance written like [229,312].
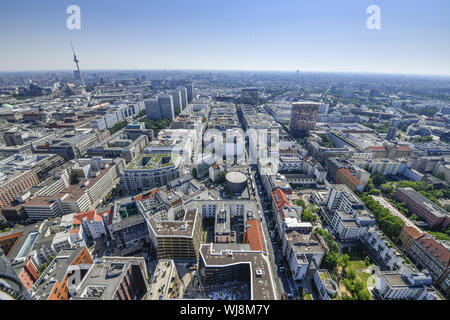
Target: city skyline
[250,37]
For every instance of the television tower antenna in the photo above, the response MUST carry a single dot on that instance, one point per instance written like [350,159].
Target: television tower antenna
[75,59]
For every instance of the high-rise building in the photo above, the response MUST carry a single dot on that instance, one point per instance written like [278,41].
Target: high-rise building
[160,107]
[176,239]
[392,129]
[166,106]
[190,90]
[303,117]
[249,96]
[184,96]
[177,103]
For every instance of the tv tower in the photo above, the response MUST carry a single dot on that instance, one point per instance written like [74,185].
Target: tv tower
[78,74]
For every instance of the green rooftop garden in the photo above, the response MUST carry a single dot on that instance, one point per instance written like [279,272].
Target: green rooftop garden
[152,161]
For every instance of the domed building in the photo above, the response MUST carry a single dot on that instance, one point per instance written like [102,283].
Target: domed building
[236,182]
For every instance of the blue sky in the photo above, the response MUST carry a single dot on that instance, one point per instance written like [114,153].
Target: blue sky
[310,35]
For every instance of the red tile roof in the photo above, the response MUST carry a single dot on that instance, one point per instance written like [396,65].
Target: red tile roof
[74,230]
[91,215]
[413,232]
[377,148]
[146,196]
[353,180]
[280,199]
[434,248]
[254,235]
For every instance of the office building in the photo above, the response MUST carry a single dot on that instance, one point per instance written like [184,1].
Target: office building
[222,263]
[437,217]
[160,107]
[176,239]
[114,278]
[303,117]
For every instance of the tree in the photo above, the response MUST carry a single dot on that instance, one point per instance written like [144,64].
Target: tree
[387,188]
[326,142]
[351,274]
[424,139]
[343,261]
[90,87]
[300,203]
[308,216]
[375,192]
[367,261]
[403,127]
[363,295]
[118,126]
[331,260]
[378,179]
[388,223]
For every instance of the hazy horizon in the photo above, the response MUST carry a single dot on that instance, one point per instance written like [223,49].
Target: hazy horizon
[234,70]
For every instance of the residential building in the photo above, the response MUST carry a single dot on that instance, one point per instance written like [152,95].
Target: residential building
[166,283]
[302,251]
[406,284]
[58,277]
[434,256]
[114,278]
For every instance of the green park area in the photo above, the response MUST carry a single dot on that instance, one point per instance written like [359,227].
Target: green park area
[349,268]
[354,275]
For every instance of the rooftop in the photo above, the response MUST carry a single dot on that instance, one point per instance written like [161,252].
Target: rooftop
[104,277]
[424,202]
[262,286]
[172,228]
[165,273]
[255,235]
[56,271]
[152,161]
